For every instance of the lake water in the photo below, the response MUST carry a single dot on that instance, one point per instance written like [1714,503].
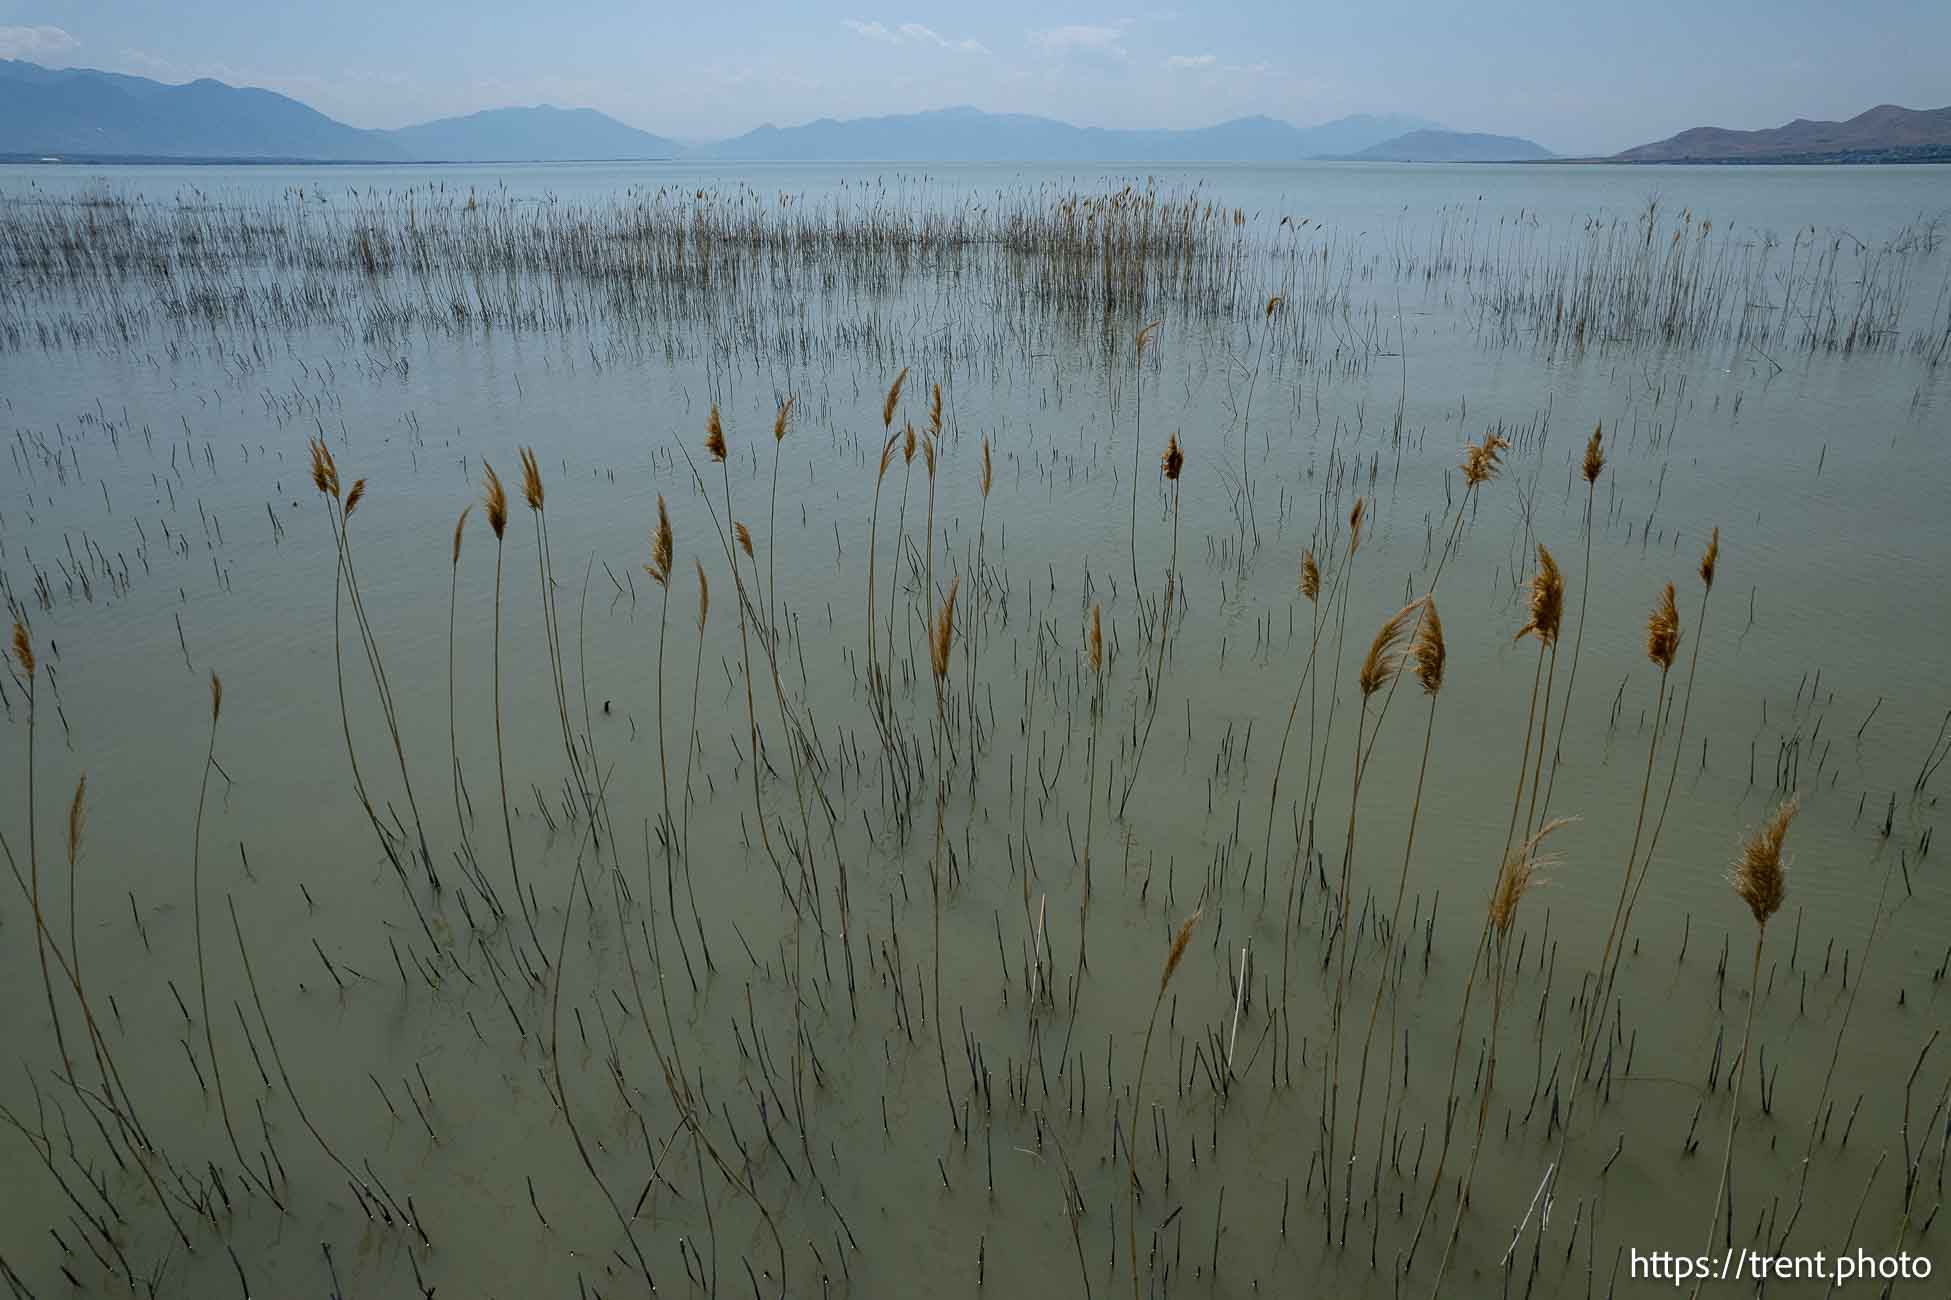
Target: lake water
[502,1100]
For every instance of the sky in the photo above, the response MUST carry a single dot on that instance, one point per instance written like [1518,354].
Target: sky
[1577,78]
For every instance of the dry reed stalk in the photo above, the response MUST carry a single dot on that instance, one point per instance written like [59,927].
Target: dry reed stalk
[874,519]
[780,423]
[1518,873]
[1137,436]
[1591,467]
[1428,655]
[1173,956]
[1173,464]
[1094,653]
[663,549]
[532,493]
[691,736]
[1759,878]
[1547,604]
[196,912]
[495,506]
[461,802]
[1382,662]
[941,640]
[24,656]
[909,444]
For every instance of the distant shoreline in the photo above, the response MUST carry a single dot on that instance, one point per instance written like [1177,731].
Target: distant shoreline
[1932,155]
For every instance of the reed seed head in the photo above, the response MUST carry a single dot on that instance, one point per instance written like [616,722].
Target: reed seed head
[928,455]
[744,539]
[935,411]
[1384,658]
[1523,867]
[1481,460]
[1174,458]
[495,500]
[1273,305]
[1355,518]
[1310,575]
[784,417]
[325,470]
[942,636]
[908,444]
[704,595]
[887,455]
[1145,337]
[1663,631]
[1595,455]
[354,497]
[1710,558]
[1429,652]
[893,397]
[23,649]
[988,469]
[460,526]
[1178,950]
[1097,639]
[77,819]
[715,435]
[662,546]
[1760,876]
[1547,600]
[216,697]
[531,479]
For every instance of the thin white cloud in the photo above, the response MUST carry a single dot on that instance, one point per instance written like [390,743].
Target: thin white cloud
[914,33]
[1080,38]
[34,42]
[1192,61]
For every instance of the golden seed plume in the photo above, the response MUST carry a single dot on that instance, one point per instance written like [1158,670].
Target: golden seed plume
[704,595]
[1384,656]
[216,696]
[893,396]
[662,546]
[1760,876]
[935,411]
[23,648]
[495,500]
[908,444]
[1273,305]
[1547,600]
[744,538]
[942,635]
[353,498]
[1429,652]
[1663,630]
[928,455]
[1178,949]
[1175,459]
[887,454]
[1710,558]
[785,415]
[325,470]
[1480,460]
[1097,639]
[1310,575]
[1145,337]
[1595,455]
[1355,518]
[715,435]
[460,526]
[1522,868]
[988,470]
[531,479]
[77,818]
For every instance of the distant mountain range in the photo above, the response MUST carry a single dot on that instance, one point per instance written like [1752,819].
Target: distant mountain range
[79,112]
[1453,146]
[1886,133]
[971,135]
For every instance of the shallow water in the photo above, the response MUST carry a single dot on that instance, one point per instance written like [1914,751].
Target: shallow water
[158,523]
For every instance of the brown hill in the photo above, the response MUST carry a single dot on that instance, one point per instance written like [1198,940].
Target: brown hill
[1884,129]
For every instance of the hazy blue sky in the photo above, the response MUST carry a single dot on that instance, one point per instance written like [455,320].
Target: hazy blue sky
[1574,76]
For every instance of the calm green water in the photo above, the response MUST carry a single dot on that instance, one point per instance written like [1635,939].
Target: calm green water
[158,523]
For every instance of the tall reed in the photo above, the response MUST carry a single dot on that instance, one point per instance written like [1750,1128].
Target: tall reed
[1173,956]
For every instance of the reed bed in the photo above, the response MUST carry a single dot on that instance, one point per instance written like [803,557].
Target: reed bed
[758,1114]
